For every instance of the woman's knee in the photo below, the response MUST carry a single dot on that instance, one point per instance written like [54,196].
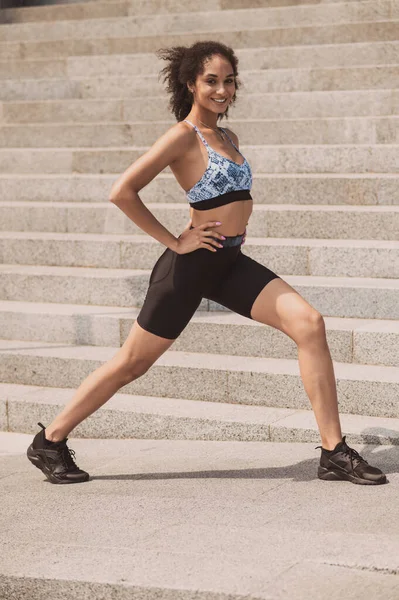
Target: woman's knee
[309,326]
[132,368]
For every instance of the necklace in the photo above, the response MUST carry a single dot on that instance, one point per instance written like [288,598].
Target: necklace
[217,130]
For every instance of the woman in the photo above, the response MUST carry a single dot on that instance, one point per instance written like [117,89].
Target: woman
[204,261]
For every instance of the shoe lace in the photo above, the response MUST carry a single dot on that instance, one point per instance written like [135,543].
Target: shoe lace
[67,456]
[353,454]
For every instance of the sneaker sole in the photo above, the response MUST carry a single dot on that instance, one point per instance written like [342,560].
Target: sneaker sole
[38,462]
[330,475]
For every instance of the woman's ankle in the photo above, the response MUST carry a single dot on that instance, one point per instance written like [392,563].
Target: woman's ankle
[330,444]
[52,435]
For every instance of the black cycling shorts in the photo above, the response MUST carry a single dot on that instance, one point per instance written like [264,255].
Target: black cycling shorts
[178,282]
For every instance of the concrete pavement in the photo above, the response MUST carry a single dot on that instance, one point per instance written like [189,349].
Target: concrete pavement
[174,519]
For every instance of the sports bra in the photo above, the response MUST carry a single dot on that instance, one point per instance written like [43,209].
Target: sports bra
[224,180]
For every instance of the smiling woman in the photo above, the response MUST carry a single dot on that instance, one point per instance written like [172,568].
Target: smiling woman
[203,81]
[189,67]
[204,261]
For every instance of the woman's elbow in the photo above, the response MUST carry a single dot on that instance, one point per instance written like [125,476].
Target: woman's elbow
[115,192]
[122,194]
[118,192]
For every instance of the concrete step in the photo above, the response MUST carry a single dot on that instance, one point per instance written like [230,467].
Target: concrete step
[290,159]
[270,81]
[326,258]
[361,341]
[362,389]
[256,38]
[274,221]
[120,8]
[354,297]
[150,417]
[251,58]
[14,69]
[124,8]
[296,105]
[310,16]
[351,130]
[273,81]
[66,12]
[366,189]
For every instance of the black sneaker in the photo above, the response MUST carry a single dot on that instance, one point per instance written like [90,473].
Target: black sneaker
[345,463]
[55,459]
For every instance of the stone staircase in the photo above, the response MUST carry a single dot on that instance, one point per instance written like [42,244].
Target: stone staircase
[317,117]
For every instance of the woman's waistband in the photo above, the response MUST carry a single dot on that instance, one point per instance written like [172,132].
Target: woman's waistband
[231,240]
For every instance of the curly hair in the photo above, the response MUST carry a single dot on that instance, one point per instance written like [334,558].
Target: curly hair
[185,63]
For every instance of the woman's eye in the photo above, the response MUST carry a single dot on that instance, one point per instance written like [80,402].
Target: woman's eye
[212,81]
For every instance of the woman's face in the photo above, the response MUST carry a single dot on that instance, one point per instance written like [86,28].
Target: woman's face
[215,87]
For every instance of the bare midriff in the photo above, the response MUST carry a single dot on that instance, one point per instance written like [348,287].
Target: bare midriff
[233,217]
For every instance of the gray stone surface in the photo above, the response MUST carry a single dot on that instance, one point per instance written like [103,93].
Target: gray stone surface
[350,340]
[258,37]
[100,10]
[329,131]
[3,414]
[16,68]
[372,342]
[316,55]
[308,105]
[365,189]
[21,160]
[179,22]
[79,285]
[367,344]
[252,59]
[198,519]
[320,257]
[294,105]
[362,389]
[353,297]
[275,160]
[98,85]
[135,416]
[80,10]
[274,221]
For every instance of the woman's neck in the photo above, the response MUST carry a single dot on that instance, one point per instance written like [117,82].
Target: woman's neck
[209,119]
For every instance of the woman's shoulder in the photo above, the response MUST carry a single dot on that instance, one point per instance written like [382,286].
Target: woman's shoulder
[181,133]
[177,141]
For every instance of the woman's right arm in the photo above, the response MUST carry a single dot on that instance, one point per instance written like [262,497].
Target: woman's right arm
[124,192]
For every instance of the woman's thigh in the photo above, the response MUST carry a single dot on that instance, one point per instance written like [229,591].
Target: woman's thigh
[256,292]
[282,307]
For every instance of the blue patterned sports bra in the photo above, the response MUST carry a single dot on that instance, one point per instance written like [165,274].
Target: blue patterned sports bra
[224,180]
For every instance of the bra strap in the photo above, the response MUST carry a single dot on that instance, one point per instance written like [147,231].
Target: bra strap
[227,135]
[198,131]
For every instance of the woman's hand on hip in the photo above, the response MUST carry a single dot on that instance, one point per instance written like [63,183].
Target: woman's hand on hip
[193,239]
